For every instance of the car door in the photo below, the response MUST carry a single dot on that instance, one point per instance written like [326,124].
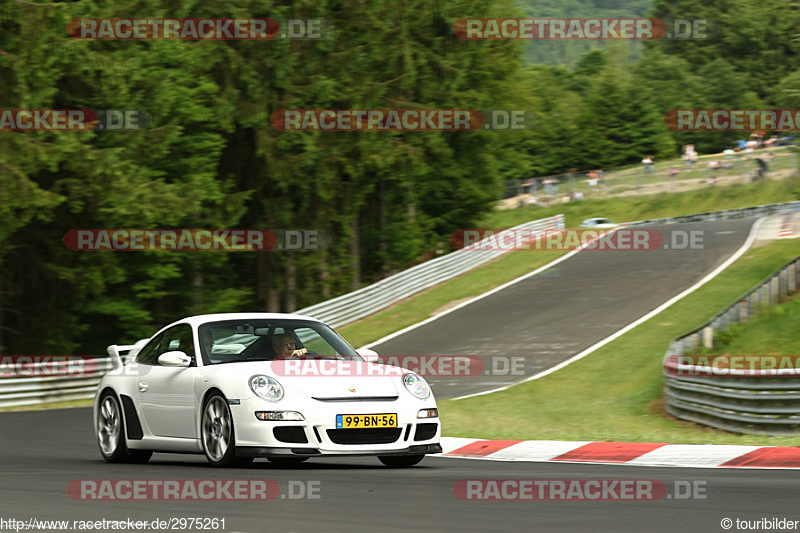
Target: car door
[166,394]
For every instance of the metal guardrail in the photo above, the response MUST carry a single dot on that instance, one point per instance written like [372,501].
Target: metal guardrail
[43,382]
[753,401]
[388,291]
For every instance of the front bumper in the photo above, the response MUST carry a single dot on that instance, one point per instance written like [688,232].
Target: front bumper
[262,451]
[317,435]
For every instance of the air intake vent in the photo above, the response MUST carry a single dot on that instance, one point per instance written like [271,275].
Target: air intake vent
[364,436]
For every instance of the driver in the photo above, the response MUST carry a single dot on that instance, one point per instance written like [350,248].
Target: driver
[284,347]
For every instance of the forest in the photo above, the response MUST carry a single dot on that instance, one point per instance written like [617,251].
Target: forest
[210,158]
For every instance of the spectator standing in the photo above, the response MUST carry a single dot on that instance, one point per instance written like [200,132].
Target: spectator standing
[648,164]
[689,155]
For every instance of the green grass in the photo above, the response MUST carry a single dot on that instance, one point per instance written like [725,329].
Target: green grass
[614,394]
[774,331]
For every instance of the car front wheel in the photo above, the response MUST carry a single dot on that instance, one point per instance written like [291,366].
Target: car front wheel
[217,431]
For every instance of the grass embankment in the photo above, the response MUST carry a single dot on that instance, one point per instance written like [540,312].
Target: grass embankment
[774,331]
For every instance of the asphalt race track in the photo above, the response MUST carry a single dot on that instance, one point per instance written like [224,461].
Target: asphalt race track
[546,319]
[558,313]
[44,451]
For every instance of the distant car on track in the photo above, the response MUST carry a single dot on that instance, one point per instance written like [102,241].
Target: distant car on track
[220,385]
[598,223]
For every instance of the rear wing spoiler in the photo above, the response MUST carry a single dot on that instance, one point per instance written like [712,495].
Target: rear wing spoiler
[118,359]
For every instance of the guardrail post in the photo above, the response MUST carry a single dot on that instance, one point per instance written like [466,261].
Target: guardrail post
[708,336]
[775,290]
[792,274]
[743,311]
[784,282]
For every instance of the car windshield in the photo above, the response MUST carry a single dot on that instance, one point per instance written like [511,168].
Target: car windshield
[234,341]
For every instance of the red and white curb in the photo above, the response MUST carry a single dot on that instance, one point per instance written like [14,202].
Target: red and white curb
[785,228]
[626,453]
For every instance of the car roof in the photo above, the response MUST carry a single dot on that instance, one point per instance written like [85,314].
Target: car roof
[198,320]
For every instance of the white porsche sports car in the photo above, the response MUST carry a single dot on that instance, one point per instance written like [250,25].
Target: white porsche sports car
[238,386]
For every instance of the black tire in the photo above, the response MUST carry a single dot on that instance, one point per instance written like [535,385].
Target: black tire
[139,456]
[400,461]
[286,461]
[216,431]
[110,433]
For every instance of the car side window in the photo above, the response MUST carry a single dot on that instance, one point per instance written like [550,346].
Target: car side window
[179,338]
[149,354]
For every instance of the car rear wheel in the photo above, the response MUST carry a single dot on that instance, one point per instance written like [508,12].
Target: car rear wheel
[217,431]
[111,433]
[400,461]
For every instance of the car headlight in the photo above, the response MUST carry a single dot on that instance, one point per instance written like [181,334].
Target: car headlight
[416,385]
[266,387]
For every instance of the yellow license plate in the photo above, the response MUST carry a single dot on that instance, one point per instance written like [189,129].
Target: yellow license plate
[384,420]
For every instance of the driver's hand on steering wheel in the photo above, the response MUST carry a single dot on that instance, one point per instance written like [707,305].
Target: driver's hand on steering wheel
[298,354]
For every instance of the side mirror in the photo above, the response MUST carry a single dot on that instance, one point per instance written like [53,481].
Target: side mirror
[175,358]
[370,356]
